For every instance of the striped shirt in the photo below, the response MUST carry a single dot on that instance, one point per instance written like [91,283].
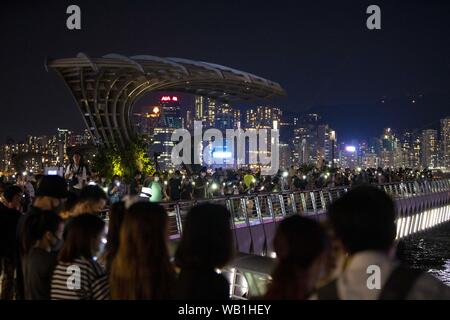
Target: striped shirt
[82,279]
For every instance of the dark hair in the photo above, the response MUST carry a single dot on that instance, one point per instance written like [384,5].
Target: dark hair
[141,269]
[364,219]
[11,191]
[298,242]
[72,199]
[81,232]
[35,226]
[116,216]
[92,193]
[207,240]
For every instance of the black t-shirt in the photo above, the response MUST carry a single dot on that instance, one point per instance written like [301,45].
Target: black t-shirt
[9,219]
[174,188]
[38,267]
[201,285]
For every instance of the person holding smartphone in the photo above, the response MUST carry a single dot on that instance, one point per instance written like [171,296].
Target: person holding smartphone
[76,173]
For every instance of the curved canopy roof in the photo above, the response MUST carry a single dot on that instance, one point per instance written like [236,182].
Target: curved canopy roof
[105,88]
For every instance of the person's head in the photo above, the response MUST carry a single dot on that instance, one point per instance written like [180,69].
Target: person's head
[76,157]
[84,238]
[364,219]
[43,226]
[69,205]
[301,245]
[207,240]
[116,216]
[92,199]
[115,179]
[141,268]
[13,197]
[51,193]
[48,230]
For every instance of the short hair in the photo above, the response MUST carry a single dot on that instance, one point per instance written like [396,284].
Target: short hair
[12,191]
[34,227]
[81,232]
[207,240]
[364,219]
[92,193]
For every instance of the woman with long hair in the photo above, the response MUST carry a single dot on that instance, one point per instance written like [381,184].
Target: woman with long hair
[207,245]
[142,269]
[301,245]
[78,276]
[116,216]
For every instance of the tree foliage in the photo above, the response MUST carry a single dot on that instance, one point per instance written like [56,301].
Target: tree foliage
[123,161]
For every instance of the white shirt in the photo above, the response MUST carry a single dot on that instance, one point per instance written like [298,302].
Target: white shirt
[352,283]
[82,176]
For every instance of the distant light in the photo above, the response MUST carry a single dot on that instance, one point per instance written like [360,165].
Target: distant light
[222,154]
[350,148]
[24,173]
[214,186]
[169,98]
[285,174]
[155,110]
[414,101]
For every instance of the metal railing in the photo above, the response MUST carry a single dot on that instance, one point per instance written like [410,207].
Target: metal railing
[251,209]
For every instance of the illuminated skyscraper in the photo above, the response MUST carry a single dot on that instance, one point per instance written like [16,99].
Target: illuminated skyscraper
[429,148]
[445,142]
[199,108]
[262,117]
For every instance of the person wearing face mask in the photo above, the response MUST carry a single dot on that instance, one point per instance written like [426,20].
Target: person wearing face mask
[40,261]
[50,196]
[82,247]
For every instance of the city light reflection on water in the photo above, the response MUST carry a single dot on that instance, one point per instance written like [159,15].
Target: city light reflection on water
[429,251]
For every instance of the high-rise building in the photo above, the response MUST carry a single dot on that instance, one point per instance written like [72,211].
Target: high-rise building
[410,149]
[301,145]
[211,107]
[445,142]
[429,148]
[63,139]
[226,117]
[262,117]
[199,105]
[284,155]
[348,156]
[170,120]
[170,112]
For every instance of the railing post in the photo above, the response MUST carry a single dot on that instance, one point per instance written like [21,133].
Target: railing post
[178,219]
[283,208]
[313,201]
[244,210]
[294,205]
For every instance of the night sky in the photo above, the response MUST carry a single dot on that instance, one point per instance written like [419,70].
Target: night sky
[320,51]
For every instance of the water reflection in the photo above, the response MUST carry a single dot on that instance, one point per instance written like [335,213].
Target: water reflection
[429,251]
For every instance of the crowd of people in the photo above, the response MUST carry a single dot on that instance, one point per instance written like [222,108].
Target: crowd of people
[61,248]
[175,185]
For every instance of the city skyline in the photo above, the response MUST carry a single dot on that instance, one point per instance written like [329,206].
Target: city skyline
[322,54]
